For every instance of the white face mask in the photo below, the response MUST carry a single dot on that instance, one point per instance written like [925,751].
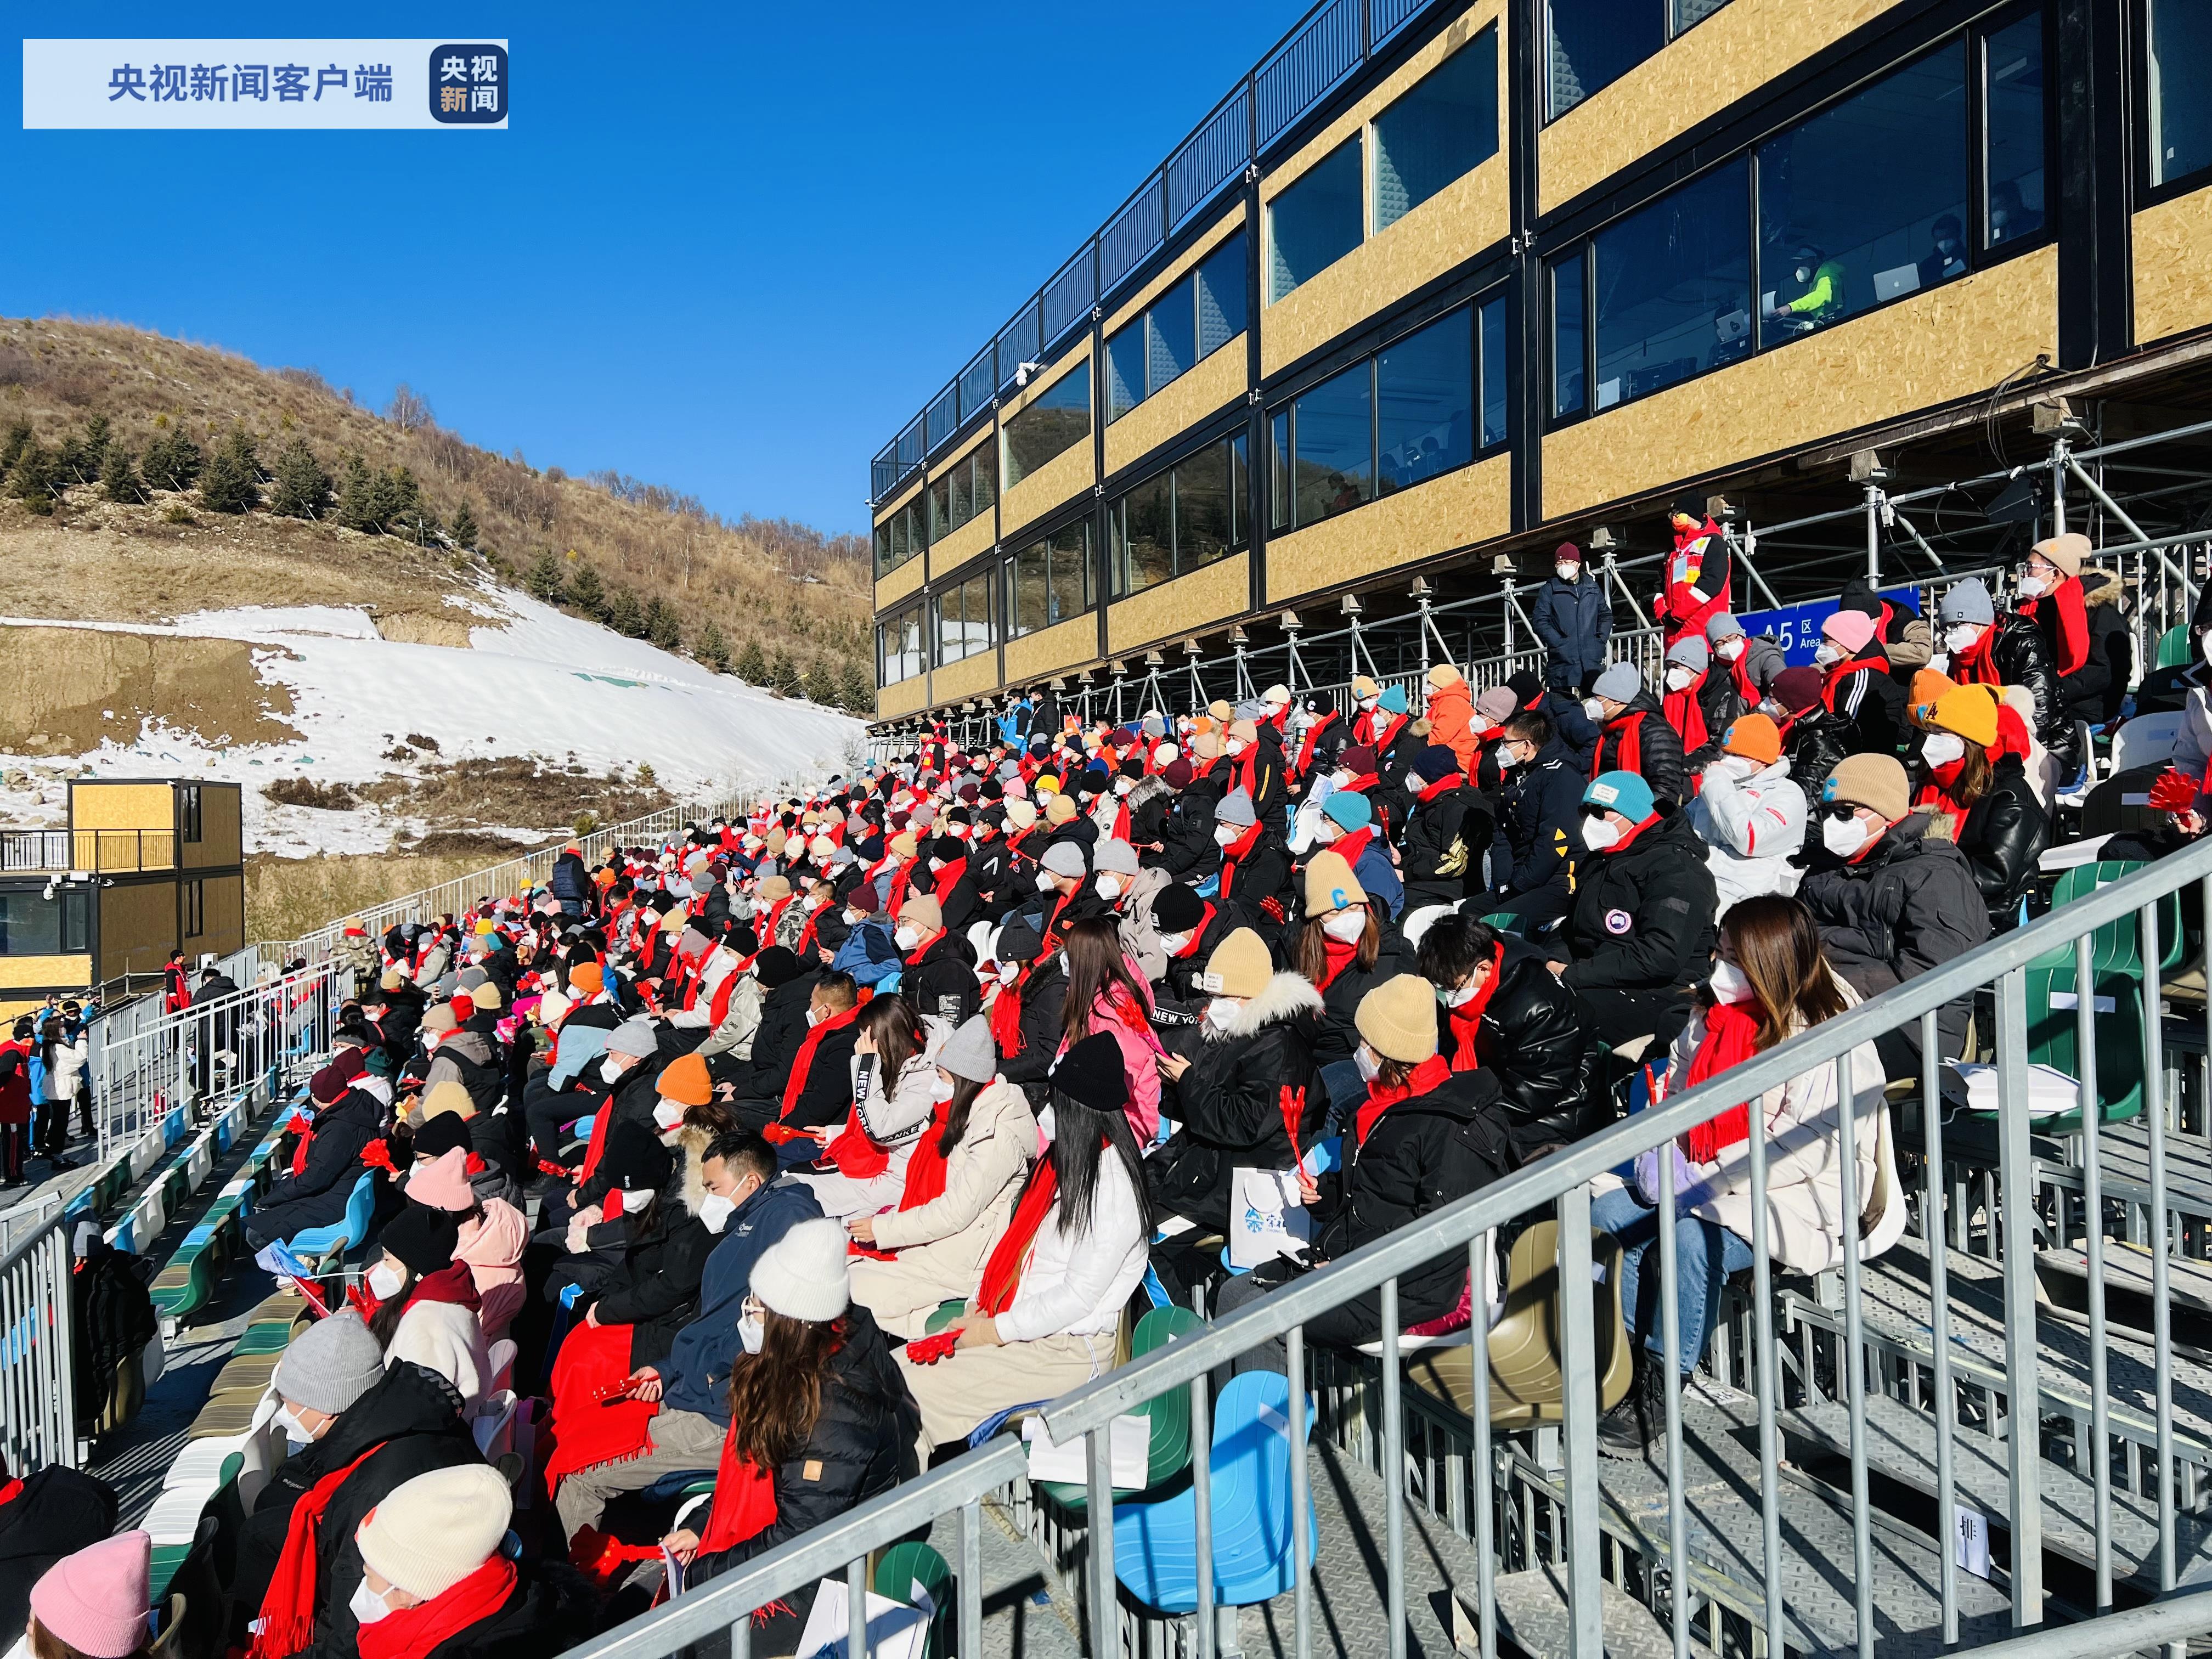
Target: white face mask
[1567,572]
[1506,759]
[942,1088]
[750,1334]
[1044,881]
[1729,984]
[1173,943]
[668,1113]
[1595,709]
[1598,834]
[611,1069]
[854,917]
[1062,960]
[1459,997]
[1942,748]
[1109,888]
[385,1281]
[814,1017]
[1845,838]
[1730,649]
[937,863]
[1370,1066]
[907,937]
[295,1431]
[1367,705]
[1009,972]
[1234,747]
[1680,679]
[2032,586]
[1227,835]
[366,1606]
[1342,776]
[1345,925]
[1828,652]
[1124,785]
[1223,1012]
[1732,766]
[1961,636]
[714,1212]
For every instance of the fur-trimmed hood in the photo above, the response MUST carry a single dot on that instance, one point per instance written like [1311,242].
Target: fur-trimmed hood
[1287,996]
[1148,789]
[691,1149]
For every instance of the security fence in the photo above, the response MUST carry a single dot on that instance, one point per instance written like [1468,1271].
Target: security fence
[38,1394]
[2041,1433]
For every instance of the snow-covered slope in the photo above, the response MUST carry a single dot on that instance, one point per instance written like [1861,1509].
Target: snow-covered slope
[534,682]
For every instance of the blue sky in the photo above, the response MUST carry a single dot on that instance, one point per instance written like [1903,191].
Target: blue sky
[731,249]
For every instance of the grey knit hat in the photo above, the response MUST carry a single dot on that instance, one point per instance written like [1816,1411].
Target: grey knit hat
[1692,653]
[1064,858]
[1620,684]
[1117,856]
[1967,602]
[1723,625]
[969,1052]
[633,1038]
[330,1364]
[1235,808]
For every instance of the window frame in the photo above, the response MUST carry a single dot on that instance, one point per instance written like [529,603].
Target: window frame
[1048,543]
[1372,160]
[913,610]
[1037,404]
[1239,539]
[1356,140]
[1142,326]
[189,822]
[981,578]
[1666,9]
[1979,256]
[2146,193]
[192,900]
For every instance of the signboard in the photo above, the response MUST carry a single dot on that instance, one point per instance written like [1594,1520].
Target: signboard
[307,86]
[1796,627]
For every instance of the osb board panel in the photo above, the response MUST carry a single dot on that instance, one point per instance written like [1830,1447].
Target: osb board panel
[47,970]
[1181,606]
[1060,480]
[220,842]
[138,925]
[1468,214]
[1947,344]
[2173,282]
[1739,48]
[122,806]
[1214,382]
[967,677]
[900,582]
[1064,645]
[949,553]
[1472,504]
[1192,257]
[904,697]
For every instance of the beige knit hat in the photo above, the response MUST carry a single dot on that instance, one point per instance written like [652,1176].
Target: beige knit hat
[1206,746]
[1059,809]
[1239,967]
[1021,814]
[448,1097]
[2066,551]
[774,888]
[906,844]
[1398,1019]
[924,912]
[1874,781]
[1330,883]
[1442,675]
[430,1533]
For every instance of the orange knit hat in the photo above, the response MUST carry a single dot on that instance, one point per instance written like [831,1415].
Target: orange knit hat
[686,1080]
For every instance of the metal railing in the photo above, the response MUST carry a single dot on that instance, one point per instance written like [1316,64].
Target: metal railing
[38,1376]
[2017,1388]
[94,852]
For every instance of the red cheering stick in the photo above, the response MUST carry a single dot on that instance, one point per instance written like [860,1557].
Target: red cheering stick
[609,1392]
[2174,791]
[929,1350]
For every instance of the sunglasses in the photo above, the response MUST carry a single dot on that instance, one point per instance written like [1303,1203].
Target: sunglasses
[1840,812]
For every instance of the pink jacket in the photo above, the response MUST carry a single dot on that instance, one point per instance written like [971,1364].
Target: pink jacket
[1140,1051]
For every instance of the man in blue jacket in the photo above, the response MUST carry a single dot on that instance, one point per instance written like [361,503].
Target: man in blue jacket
[749,1212]
[1573,617]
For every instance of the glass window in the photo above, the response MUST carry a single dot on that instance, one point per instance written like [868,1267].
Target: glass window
[984,487]
[882,548]
[1568,324]
[1425,403]
[1594,42]
[1673,287]
[940,507]
[2013,98]
[1493,317]
[1142,524]
[1279,469]
[1316,222]
[963,620]
[2180,116]
[899,647]
[1333,446]
[963,507]
[1202,518]
[1221,296]
[31,924]
[1171,329]
[1447,125]
[1072,592]
[1125,370]
[917,537]
[1866,202]
[1058,420]
[1049,582]
[1240,494]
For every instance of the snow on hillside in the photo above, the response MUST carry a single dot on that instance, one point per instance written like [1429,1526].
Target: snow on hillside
[534,682]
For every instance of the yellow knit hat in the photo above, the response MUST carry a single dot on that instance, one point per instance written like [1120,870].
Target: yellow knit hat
[1398,1019]
[1239,967]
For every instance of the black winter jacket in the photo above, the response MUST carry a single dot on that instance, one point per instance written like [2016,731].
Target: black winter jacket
[1642,918]
[1229,1107]
[1817,741]
[1659,751]
[863,1444]
[1871,705]
[1441,853]
[1336,1037]
[1191,854]
[2022,656]
[1574,620]
[59,1512]
[1263,873]
[782,1029]
[1539,810]
[408,1423]
[1044,1001]
[654,1287]
[342,1130]
[1537,1044]
[537,1618]
[2003,836]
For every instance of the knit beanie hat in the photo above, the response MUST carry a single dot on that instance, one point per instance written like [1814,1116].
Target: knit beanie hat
[1330,884]
[685,1081]
[1117,856]
[1177,909]
[1091,1072]
[1442,675]
[1348,810]
[776,966]
[1971,711]
[1020,814]
[1928,689]
[906,844]
[1398,1019]
[433,1531]
[1206,746]
[436,1136]
[330,1364]
[2066,551]
[1966,602]
[439,1020]
[1723,625]
[1064,858]
[774,890]
[1755,738]
[95,1600]
[1362,686]
[1625,793]
[1178,774]
[635,1160]
[922,912]
[443,1182]
[448,1097]
[1017,941]
[633,1038]
[1240,965]
[1435,763]
[487,996]
[1235,808]
[1620,683]
[1060,810]
[1852,630]
[1876,782]
[1393,700]
[424,1239]
[586,978]
[1797,689]
[803,1274]
[1497,705]
[970,1053]
[1692,653]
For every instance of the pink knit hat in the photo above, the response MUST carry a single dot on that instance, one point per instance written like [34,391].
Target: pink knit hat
[443,1182]
[1849,629]
[95,1600]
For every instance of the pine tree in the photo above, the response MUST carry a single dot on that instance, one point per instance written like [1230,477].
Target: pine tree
[860,697]
[752,665]
[118,477]
[782,674]
[357,497]
[74,463]
[713,650]
[303,489]
[35,478]
[228,484]
[98,433]
[463,530]
[542,579]
[587,593]
[820,684]
[662,625]
[19,436]
[624,614]
[173,462]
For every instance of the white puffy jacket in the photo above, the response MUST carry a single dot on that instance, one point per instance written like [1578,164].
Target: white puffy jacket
[1752,826]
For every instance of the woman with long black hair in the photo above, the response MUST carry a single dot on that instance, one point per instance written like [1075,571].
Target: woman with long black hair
[1044,1317]
[1107,992]
[896,1090]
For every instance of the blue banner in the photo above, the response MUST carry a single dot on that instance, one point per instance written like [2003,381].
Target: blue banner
[1796,627]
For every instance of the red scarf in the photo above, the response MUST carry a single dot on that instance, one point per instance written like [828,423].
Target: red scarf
[1875,662]
[1442,786]
[1336,957]
[1740,670]
[1198,933]
[11,1493]
[305,1126]
[1939,790]
[1629,839]
[1977,664]
[2073,629]
[1350,845]
[2011,735]
[925,1171]
[949,877]
[1629,757]
[1466,1020]
[803,1062]
[854,1152]
[287,1607]
[1682,711]
[1730,1030]
[1313,738]
[1235,850]
[1428,1077]
[409,1632]
[1002,1272]
[745,1500]
[592,1421]
[1006,1015]
[896,900]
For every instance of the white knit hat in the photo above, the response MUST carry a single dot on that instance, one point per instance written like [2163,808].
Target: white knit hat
[430,1533]
[803,1276]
